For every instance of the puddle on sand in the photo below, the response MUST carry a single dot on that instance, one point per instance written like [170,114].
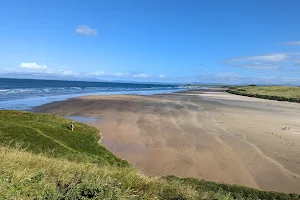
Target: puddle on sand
[83,119]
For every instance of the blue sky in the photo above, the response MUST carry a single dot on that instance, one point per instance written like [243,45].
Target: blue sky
[150,40]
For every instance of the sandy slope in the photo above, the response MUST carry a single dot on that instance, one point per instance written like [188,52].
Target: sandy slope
[206,134]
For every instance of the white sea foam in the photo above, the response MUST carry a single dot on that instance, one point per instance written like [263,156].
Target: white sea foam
[25,94]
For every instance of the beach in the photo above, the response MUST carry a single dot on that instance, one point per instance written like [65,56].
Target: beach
[207,134]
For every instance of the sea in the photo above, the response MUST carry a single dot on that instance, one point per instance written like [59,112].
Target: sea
[25,94]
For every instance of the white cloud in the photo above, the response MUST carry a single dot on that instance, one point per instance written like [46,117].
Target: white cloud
[276,80]
[85,30]
[104,73]
[259,65]
[296,62]
[275,61]
[222,77]
[68,72]
[234,78]
[141,75]
[32,65]
[121,74]
[276,57]
[34,68]
[292,43]
[279,57]
[97,73]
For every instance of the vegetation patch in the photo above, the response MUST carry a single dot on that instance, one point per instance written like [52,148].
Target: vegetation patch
[51,135]
[232,191]
[24,175]
[279,93]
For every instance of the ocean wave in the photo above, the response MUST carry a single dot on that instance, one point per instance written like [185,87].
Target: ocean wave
[51,89]
[62,90]
[24,93]
[19,93]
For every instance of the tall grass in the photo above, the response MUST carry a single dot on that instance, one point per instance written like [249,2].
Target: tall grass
[232,191]
[40,177]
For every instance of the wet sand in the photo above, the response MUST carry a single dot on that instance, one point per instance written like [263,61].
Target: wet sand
[207,134]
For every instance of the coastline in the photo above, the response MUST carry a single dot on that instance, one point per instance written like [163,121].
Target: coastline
[207,134]
[31,103]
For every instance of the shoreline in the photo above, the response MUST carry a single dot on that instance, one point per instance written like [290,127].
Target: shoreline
[207,134]
[29,104]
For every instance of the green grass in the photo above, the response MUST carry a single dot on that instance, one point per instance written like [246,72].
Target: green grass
[279,93]
[233,191]
[40,158]
[50,135]
[24,175]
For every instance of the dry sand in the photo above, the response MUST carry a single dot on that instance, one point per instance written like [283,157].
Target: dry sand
[205,134]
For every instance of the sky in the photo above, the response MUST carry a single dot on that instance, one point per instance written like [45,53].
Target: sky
[233,41]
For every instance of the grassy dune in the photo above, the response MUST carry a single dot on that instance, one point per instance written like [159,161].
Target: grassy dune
[279,93]
[50,135]
[40,158]
[26,175]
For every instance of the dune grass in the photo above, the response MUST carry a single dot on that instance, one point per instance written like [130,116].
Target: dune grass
[40,159]
[40,177]
[231,191]
[279,93]
[50,134]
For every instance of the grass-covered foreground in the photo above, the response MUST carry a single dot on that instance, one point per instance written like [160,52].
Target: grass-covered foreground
[279,93]
[40,158]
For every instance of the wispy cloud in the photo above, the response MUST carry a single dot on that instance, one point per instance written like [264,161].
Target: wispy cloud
[37,70]
[296,62]
[274,80]
[142,75]
[274,61]
[101,73]
[85,30]
[66,72]
[259,65]
[221,77]
[32,65]
[276,57]
[234,78]
[292,43]
[34,68]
